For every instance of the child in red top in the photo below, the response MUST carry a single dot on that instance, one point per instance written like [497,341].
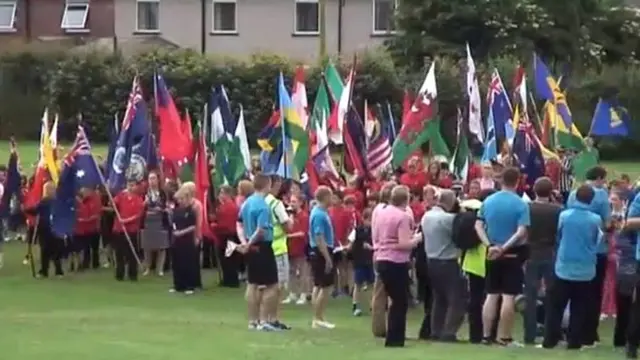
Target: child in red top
[353,189]
[226,217]
[297,246]
[445,180]
[341,219]
[415,180]
[86,238]
[130,207]
[417,207]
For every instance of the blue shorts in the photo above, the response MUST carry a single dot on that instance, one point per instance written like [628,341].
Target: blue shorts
[363,275]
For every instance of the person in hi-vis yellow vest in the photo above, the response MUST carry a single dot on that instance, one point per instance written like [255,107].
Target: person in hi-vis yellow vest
[281,223]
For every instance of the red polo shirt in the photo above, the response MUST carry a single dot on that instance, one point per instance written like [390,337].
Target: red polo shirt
[129,205]
[297,245]
[226,217]
[418,208]
[446,182]
[475,171]
[358,195]
[88,212]
[415,182]
[341,220]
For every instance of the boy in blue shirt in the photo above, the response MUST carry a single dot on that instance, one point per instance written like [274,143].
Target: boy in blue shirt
[632,224]
[575,268]
[597,180]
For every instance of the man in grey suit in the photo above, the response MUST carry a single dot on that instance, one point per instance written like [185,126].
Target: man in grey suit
[448,284]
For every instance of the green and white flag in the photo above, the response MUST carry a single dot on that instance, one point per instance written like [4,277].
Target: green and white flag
[459,164]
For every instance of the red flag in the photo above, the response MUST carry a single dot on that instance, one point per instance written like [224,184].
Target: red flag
[186,127]
[201,177]
[407,101]
[173,144]
[34,195]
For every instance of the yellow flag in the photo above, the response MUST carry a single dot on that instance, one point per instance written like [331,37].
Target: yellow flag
[49,158]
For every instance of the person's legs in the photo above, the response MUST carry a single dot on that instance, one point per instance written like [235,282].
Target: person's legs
[557,299]
[295,278]
[532,275]
[253,305]
[426,292]
[493,288]
[474,310]
[633,331]
[592,320]
[439,305]
[578,306]
[161,256]
[132,263]
[396,281]
[323,282]
[379,301]
[147,261]
[457,299]
[512,279]
[57,251]
[45,253]
[623,313]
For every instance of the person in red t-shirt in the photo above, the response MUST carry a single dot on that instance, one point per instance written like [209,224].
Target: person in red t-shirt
[86,237]
[414,179]
[418,208]
[474,190]
[126,226]
[429,197]
[475,171]
[226,217]
[297,243]
[433,172]
[445,180]
[353,190]
[341,220]
[553,169]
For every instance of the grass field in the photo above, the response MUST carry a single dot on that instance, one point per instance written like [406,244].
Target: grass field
[91,316]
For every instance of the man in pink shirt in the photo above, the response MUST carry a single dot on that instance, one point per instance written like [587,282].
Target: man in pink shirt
[393,241]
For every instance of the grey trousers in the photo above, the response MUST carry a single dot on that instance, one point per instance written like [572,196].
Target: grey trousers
[449,289]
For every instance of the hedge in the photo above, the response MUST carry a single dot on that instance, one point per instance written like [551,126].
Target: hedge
[97,85]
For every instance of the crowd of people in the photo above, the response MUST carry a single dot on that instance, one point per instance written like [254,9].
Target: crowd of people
[561,254]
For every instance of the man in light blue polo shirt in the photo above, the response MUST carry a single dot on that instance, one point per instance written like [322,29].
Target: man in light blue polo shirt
[597,179]
[502,222]
[633,332]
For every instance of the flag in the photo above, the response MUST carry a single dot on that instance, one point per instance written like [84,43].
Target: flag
[186,127]
[391,124]
[241,136]
[337,119]
[48,156]
[135,144]
[12,194]
[329,89]
[498,100]
[490,143]
[558,134]
[53,134]
[420,124]
[202,182]
[473,92]
[610,119]
[528,152]
[379,147]
[459,164]
[113,142]
[220,139]
[322,161]
[299,96]
[547,89]
[173,144]
[79,170]
[520,101]
[268,132]
[34,195]
[291,128]
[238,156]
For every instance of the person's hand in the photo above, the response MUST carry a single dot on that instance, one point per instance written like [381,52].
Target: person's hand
[417,238]
[328,265]
[494,252]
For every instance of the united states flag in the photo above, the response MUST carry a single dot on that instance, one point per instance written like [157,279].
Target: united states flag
[379,148]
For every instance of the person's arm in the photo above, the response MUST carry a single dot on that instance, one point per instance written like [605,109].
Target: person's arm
[263,223]
[240,231]
[283,218]
[321,244]
[480,230]
[406,240]
[524,221]
[185,231]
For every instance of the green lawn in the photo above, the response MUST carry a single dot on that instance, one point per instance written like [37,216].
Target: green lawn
[91,316]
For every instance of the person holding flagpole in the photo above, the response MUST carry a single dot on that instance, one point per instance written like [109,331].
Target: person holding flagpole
[130,207]
[51,246]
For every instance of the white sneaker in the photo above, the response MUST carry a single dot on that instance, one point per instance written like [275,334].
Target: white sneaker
[302,300]
[172,290]
[289,299]
[145,273]
[161,273]
[188,292]
[319,324]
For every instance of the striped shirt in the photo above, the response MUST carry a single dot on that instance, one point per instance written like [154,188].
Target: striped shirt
[566,174]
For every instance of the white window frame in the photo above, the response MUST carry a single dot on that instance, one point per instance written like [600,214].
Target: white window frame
[70,3]
[373,19]
[11,27]
[146,31]
[213,17]
[295,18]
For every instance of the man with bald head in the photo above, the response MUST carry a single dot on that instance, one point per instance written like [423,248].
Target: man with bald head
[448,285]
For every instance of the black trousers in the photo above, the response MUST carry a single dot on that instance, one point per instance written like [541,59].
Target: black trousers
[90,250]
[229,266]
[474,309]
[623,315]
[592,320]
[185,265]
[633,331]
[395,277]
[51,250]
[125,256]
[561,293]
[208,254]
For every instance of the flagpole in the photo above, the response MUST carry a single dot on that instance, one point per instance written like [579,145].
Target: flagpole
[282,125]
[117,213]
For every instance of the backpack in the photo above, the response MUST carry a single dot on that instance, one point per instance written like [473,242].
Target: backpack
[464,234]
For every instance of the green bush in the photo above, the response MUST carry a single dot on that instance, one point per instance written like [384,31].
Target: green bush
[97,86]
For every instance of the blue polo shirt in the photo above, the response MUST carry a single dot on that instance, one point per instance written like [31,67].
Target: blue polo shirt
[502,214]
[254,214]
[320,224]
[600,206]
[634,212]
[578,238]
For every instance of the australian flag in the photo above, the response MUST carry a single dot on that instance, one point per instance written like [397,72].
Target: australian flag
[135,150]
[80,170]
[498,100]
[529,153]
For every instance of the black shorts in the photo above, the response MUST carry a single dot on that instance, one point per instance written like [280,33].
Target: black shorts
[321,278]
[262,269]
[504,276]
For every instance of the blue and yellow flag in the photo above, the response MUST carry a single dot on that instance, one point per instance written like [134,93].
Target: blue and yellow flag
[547,88]
[610,119]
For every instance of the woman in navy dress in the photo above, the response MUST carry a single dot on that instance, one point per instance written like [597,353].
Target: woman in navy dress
[183,248]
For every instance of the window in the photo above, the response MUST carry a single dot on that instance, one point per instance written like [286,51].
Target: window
[148,16]
[7,15]
[224,17]
[307,17]
[383,13]
[75,15]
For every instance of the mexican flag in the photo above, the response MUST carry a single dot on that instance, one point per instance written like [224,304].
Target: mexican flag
[421,124]
[459,164]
